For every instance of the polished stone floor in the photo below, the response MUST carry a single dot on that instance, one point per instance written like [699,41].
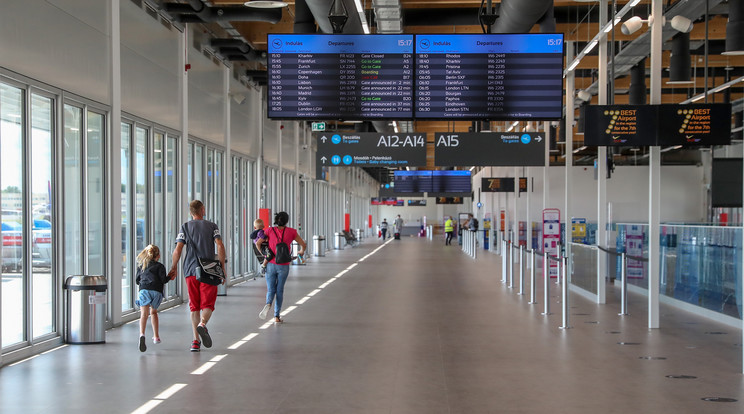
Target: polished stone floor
[410,326]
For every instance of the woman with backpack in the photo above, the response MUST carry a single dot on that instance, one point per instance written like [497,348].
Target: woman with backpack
[280,237]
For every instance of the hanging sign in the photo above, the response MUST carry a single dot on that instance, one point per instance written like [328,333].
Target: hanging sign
[690,125]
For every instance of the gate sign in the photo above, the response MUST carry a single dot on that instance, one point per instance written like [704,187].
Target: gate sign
[486,149]
[371,149]
[551,237]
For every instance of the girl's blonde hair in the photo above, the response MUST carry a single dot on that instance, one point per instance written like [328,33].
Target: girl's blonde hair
[148,254]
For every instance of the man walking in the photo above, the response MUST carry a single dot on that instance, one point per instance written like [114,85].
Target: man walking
[201,236]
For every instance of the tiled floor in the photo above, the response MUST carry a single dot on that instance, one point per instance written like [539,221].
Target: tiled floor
[416,327]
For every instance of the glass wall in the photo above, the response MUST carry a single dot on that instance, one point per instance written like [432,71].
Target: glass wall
[171,212]
[42,240]
[26,177]
[95,213]
[73,171]
[126,222]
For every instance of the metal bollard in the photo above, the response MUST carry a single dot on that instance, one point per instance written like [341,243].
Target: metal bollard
[511,266]
[564,293]
[503,261]
[560,253]
[521,270]
[546,282]
[624,288]
[532,278]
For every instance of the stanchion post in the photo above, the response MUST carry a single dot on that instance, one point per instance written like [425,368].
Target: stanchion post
[503,260]
[624,287]
[546,281]
[532,277]
[564,292]
[558,259]
[511,266]
[521,270]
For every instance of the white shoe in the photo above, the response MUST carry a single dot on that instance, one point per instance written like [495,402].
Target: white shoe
[155,340]
[265,311]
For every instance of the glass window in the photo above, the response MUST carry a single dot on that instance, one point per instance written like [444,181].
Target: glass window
[171,215]
[158,200]
[198,174]
[41,207]
[235,253]
[95,213]
[11,185]
[126,191]
[72,148]
[219,195]
[141,167]
[210,201]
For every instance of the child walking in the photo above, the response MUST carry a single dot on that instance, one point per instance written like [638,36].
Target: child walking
[151,278]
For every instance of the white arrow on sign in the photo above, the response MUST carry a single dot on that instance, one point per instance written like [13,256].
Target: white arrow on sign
[538,139]
[323,138]
[324,159]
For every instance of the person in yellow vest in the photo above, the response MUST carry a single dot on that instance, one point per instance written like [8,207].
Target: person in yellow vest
[449,228]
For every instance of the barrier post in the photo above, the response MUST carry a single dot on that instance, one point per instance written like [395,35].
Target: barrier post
[511,266]
[546,281]
[521,270]
[558,259]
[564,292]
[503,260]
[624,287]
[532,277]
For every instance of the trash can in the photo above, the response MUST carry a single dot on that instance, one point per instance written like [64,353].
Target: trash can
[295,253]
[338,241]
[358,235]
[85,310]
[319,245]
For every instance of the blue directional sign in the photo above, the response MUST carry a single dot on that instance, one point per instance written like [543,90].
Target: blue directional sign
[371,149]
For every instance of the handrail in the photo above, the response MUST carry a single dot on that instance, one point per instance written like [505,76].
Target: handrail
[615,252]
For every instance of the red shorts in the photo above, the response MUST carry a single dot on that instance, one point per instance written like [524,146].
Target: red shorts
[201,295]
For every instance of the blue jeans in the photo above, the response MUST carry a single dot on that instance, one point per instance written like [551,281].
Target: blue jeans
[276,277]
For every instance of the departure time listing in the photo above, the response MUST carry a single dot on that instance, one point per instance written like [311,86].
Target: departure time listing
[340,77]
[509,76]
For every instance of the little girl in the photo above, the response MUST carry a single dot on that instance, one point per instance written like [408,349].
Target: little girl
[151,278]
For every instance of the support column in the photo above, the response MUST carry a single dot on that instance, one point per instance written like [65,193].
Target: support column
[602,164]
[546,176]
[227,175]
[183,148]
[516,206]
[570,92]
[114,164]
[654,174]
[279,176]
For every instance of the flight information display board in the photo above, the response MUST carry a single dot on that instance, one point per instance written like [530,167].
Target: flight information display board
[489,76]
[340,76]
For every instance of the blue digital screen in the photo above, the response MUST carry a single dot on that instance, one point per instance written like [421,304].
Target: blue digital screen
[340,76]
[489,76]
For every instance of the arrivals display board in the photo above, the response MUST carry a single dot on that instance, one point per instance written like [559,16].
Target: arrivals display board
[447,181]
[695,124]
[489,149]
[371,149]
[489,76]
[340,76]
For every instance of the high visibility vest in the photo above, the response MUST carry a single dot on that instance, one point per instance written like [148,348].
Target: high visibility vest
[448,226]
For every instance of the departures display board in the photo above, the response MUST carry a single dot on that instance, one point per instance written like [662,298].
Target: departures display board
[495,76]
[340,76]
[352,77]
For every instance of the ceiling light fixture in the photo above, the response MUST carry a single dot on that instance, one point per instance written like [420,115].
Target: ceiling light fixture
[260,4]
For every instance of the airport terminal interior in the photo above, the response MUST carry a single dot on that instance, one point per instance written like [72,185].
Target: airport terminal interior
[584,156]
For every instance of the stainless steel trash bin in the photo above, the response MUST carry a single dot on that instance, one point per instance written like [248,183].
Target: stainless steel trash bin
[358,233]
[338,241]
[295,253]
[319,245]
[85,309]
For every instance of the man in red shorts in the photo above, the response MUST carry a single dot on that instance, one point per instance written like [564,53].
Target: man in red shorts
[200,236]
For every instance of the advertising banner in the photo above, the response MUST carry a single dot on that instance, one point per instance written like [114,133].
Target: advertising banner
[634,247]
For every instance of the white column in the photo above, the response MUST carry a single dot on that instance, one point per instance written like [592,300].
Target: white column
[260,193]
[114,163]
[654,174]
[183,196]
[227,175]
[516,206]
[546,125]
[297,212]
[570,91]
[279,179]
[602,164]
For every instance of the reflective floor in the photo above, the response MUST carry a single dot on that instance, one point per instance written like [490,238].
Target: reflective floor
[414,327]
